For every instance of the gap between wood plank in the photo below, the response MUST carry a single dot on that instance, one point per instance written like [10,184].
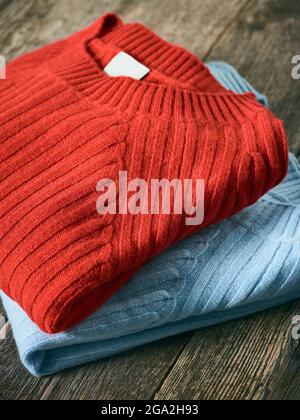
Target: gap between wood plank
[171,367]
[247,5]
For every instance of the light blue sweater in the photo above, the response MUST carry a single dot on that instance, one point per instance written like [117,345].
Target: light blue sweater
[238,267]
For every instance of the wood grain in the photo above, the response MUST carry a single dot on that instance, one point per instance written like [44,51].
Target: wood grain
[237,361]
[247,359]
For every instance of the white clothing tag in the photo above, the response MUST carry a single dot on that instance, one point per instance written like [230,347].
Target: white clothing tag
[125,65]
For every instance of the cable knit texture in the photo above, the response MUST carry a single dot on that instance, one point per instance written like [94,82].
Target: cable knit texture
[65,125]
[238,267]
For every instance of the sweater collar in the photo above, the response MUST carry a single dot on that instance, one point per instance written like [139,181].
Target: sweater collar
[179,84]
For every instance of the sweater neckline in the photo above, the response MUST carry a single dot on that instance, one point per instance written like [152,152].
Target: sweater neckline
[179,84]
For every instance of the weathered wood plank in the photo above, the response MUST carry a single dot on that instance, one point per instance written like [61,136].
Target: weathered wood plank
[286,384]
[234,361]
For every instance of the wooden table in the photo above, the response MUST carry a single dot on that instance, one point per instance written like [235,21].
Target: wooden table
[249,359]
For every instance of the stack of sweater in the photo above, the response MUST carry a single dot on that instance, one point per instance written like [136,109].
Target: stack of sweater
[79,286]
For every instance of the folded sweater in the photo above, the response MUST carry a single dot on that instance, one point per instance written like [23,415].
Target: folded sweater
[66,125]
[238,267]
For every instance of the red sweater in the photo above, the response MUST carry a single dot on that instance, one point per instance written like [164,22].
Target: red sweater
[65,125]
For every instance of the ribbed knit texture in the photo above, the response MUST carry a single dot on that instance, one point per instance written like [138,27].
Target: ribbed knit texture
[65,125]
[238,267]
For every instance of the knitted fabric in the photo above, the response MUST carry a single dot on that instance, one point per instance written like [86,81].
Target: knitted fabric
[66,125]
[238,267]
